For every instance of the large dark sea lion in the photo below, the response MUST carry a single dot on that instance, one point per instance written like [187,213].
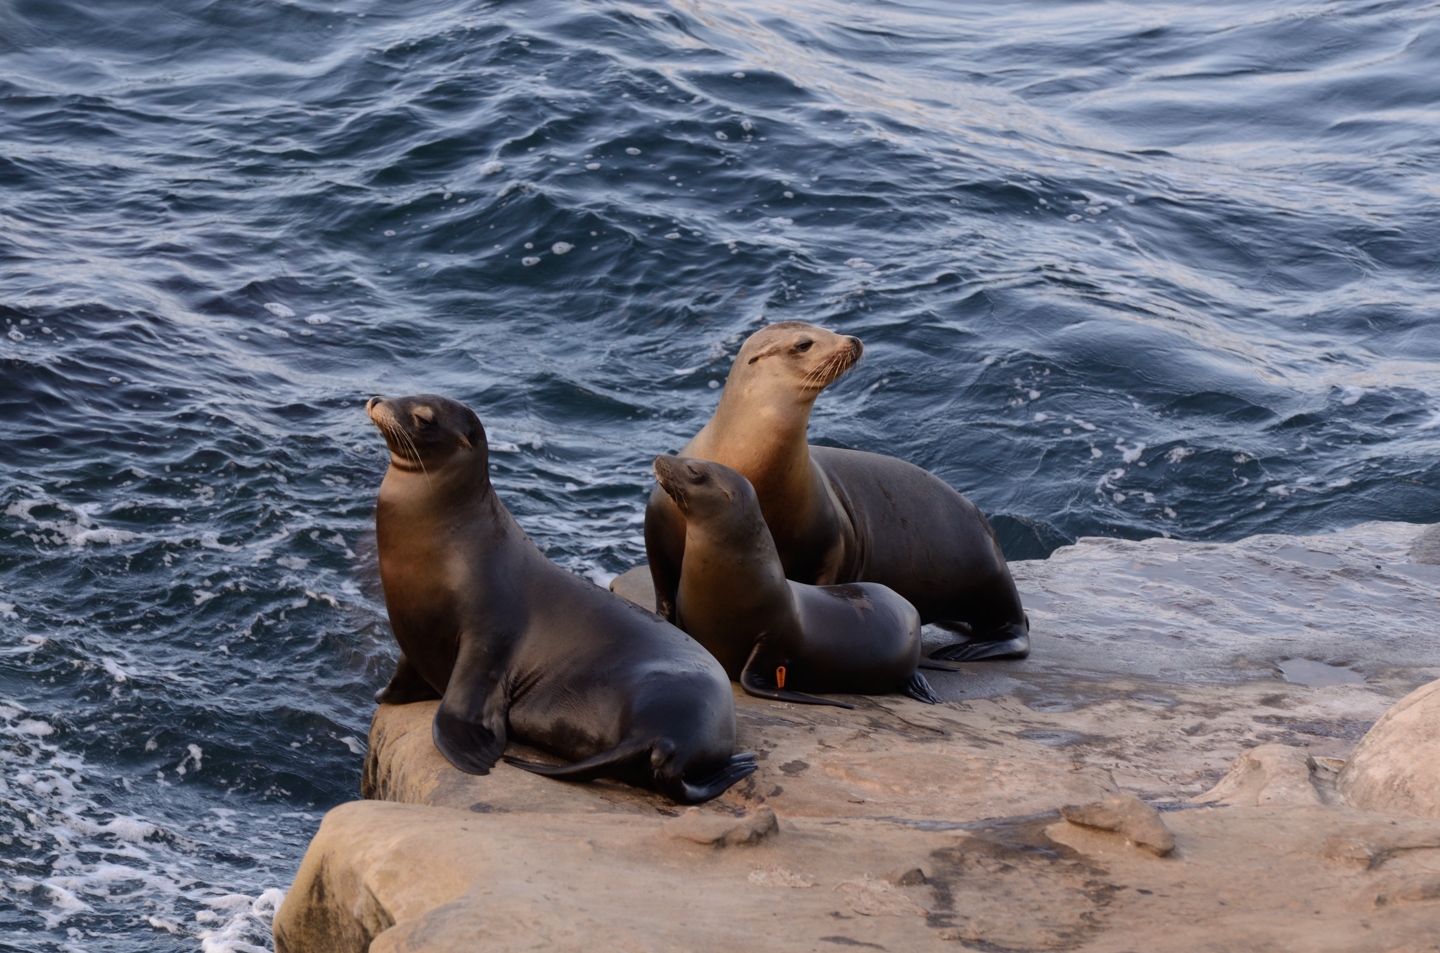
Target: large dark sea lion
[841,516]
[778,638]
[517,647]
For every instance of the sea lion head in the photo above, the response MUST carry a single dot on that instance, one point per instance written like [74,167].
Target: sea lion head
[427,433]
[803,356]
[707,492]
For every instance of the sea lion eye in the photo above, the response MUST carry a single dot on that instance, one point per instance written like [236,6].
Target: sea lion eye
[804,346]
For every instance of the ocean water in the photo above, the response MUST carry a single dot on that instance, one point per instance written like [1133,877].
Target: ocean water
[1125,269]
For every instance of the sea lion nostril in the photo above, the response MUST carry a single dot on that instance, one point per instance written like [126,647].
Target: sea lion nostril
[370,404]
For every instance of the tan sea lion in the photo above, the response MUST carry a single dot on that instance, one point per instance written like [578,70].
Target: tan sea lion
[517,647]
[778,638]
[840,516]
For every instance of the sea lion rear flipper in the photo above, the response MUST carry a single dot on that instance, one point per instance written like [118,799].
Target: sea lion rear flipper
[754,684]
[589,769]
[1012,642]
[469,726]
[405,686]
[920,690]
[738,768]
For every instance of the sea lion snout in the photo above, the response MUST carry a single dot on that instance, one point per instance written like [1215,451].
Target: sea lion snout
[672,476]
[426,430]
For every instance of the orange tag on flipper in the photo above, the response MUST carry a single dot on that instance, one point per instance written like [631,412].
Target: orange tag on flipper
[780,677]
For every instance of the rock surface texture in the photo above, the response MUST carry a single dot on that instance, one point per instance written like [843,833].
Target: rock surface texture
[1395,769]
[1019,815]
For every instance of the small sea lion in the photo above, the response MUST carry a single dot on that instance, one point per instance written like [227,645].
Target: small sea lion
[842,516]
[776,637]
[517,647]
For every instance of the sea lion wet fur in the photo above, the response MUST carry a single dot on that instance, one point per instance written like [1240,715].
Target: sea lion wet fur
[841,516]
[778,638]
[518,647]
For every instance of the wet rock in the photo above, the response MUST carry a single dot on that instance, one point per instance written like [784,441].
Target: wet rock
[1426,548]
[1127,815]
[1395,769]
[1269,774]
[718,830]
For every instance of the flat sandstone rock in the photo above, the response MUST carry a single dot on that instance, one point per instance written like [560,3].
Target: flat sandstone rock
[903,826]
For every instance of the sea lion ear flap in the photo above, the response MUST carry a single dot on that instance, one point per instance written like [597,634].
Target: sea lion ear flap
[464,440]
[766,352]
[469,726]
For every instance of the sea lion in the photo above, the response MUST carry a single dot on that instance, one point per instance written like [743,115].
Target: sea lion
[774,636]
[841,516]
[517,647]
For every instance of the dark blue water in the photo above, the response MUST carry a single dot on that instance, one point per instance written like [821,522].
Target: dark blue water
[1123,269]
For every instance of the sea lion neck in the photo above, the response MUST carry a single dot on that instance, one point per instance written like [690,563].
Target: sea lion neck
[421,495]
[749,435]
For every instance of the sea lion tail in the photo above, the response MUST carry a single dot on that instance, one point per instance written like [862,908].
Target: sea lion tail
[591,768]
[680,791]
[920,689]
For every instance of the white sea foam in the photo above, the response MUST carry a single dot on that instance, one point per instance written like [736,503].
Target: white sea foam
[279,310]
[1350,395]
[492,167]
[562,248]
[1131,454]
[529,260]
[87,861]
[79,530]
[318,319]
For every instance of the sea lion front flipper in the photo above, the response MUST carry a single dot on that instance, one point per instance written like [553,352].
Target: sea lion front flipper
[755,684]
[405,686]
[469,726]
[920,690]
[938,665]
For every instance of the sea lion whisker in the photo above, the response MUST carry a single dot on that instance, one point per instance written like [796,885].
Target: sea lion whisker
[415,450]
[392,428]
